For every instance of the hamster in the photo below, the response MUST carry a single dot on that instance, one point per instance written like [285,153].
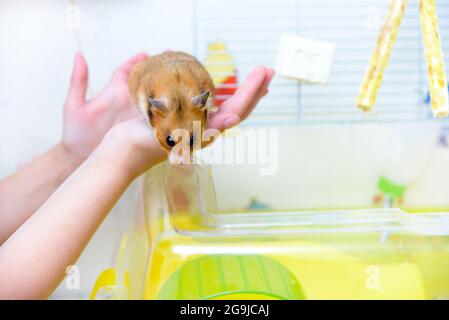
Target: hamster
[174,91]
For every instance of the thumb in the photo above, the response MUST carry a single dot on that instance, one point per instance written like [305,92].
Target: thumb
[78,82]
[223,120]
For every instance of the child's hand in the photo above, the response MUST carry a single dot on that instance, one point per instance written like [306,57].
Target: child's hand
[134,145]
[86,122]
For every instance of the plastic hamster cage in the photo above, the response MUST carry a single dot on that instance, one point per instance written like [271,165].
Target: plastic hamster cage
[182,245]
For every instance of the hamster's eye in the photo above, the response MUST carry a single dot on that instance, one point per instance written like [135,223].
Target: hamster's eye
[192,140]
[170,141]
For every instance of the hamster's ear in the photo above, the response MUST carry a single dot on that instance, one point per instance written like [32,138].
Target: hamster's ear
[157,104]
[201,101]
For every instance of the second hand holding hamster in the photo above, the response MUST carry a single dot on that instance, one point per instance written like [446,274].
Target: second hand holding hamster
[175,93]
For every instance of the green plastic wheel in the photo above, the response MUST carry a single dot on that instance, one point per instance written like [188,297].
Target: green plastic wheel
[232,277]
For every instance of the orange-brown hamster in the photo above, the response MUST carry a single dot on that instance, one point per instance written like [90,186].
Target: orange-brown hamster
[174,91]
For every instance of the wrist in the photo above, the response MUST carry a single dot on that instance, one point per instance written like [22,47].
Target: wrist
[105,161]
[69,155]
[64,156]
[130,158]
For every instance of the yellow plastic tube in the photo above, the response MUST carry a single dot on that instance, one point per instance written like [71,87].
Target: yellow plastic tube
[434,57]
[381,56]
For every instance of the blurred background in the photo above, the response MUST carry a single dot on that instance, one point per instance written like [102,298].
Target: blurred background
[338,154]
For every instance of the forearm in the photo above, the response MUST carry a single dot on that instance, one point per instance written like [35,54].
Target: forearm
[34,259]
[22,193]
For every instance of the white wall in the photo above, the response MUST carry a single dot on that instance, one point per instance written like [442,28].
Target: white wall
[36,54]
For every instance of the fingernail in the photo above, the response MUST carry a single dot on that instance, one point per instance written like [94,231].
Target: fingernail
[231,121]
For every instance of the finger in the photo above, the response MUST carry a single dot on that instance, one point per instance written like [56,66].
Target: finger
[242,102]
[137,58]
[78,82]
[222,121]
[230,113]
[264,89]
[123,71]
